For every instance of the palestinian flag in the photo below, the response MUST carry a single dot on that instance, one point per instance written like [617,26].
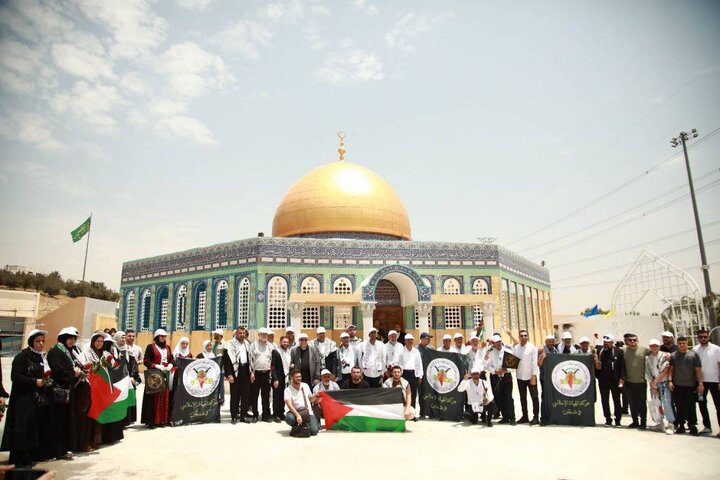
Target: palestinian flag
[111,394]
[364,410]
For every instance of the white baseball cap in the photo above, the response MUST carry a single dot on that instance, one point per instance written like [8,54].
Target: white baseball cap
[667,334]
[263,330]
[566,335]
[447,337]
[608,337]
[159,332]
[320,330]
[584,339]
[654,341]
[302,335]
[289,329]
[69,331]
[474,337]
[344,335]
[408,336]
[325,371]
[550,337]
[373,329]
[392,332]
[496,338]
[458,335]
[218,331]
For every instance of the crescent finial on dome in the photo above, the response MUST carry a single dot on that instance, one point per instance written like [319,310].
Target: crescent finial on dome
[341,150]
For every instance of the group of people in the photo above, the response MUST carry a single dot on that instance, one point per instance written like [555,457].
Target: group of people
[48,414]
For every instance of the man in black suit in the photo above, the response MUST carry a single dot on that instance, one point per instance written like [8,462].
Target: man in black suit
[609,366]
[279,372]
[237,367]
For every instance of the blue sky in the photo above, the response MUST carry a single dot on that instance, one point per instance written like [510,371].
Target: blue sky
[182,123]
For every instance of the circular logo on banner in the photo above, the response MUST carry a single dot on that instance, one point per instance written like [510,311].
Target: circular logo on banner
[571,378]
[201,377]
[443,375]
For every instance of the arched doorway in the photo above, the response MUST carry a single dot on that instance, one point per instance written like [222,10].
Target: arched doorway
[388,309]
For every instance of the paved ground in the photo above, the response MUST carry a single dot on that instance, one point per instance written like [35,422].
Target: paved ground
[429,449]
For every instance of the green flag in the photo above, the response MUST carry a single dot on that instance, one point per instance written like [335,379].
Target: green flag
[81,231]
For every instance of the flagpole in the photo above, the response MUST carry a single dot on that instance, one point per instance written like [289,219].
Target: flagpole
[87,246]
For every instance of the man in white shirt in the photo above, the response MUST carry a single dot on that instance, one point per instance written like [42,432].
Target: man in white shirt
[372,359]
[501,379]
[297,396]
[237,368]
[446,340]
[348,356]
[133,349]
[412,367]
[396,381]
[566,346]
[475,354]
[709,355]
[526,374]
[393,348]
[480,396]
[459,346]
[261,361]
[355,341]
[326,383]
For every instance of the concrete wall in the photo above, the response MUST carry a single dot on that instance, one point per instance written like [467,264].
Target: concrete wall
[85,314]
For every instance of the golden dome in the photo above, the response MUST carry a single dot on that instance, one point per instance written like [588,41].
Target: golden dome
[341,197]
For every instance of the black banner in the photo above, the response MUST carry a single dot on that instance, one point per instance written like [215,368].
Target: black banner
[195,386]
[569,389]
[443,372]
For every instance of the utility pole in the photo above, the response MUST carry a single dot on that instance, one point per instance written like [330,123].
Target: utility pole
[682,139]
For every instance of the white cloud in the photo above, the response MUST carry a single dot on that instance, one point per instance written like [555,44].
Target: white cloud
[192,71]
[245,37]
[21,67]
[193,4]
[81,63]
[135,29]
[165,107]
[90,104]
[411,26]
[366,7]
[29,128]
[355,66]
[185,127]
[134,84]
[287,12]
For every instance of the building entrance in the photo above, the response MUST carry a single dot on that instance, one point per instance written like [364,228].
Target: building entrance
[388,310]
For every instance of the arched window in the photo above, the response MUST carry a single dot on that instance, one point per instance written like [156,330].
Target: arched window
[145,311]
[480,287]
[311,315]
[453,317]
[221,304]
[161,308]
[426,281]
[200,306]
[243,302]
[181,308]
[130,309]
[277,303]
[342,315]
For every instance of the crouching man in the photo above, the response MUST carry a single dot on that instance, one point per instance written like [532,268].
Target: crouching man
[298,400]
[480,397]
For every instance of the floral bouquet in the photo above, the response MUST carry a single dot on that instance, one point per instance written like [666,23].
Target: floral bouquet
[47,379]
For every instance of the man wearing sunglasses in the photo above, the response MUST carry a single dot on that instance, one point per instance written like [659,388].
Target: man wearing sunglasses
[633,381]
[709,355]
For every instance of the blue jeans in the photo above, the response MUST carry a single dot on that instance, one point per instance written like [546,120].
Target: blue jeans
[666,399]
[314,427]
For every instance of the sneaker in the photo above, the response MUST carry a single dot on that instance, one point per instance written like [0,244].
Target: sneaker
[657,428]
[669,431]
[705,431]
[617,422]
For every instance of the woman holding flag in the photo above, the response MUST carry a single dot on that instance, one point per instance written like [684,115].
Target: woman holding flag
[156,406]
[128,362]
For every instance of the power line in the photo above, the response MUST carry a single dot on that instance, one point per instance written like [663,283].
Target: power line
[647,213]
[616,267]
[615,190]
[633,247]
[627,210]
[616,280]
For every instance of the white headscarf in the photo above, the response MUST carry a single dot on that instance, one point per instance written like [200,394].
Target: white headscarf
[179,350]
[205,353]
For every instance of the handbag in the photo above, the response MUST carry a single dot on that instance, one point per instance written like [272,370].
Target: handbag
[302,430]
[61,395]
[42,398]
